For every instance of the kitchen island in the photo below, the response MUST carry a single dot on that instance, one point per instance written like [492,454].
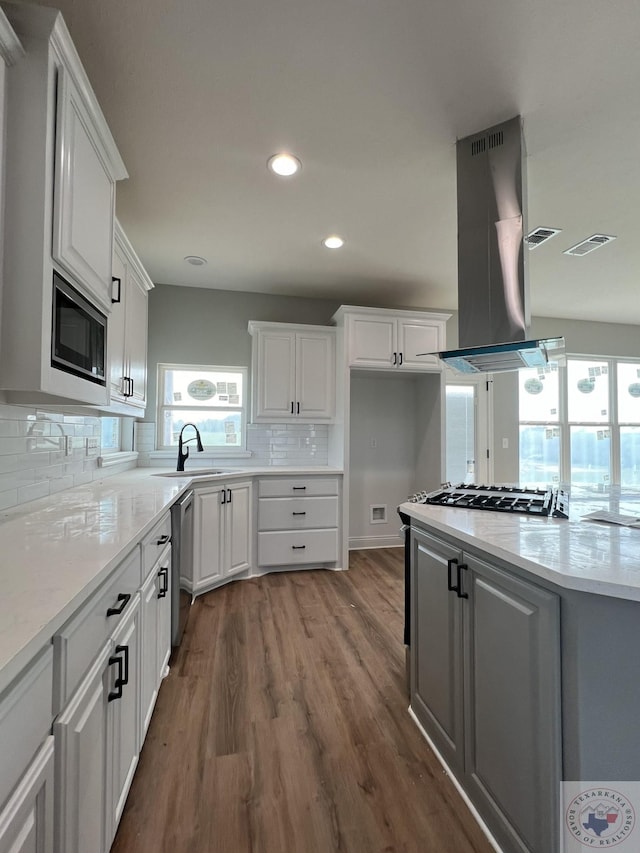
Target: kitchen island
[524,665]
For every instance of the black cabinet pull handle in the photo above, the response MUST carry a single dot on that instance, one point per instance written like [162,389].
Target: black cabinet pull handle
[459,591]
[292,407]
[299,488]
[223,492]
[228,496]
[451,586]
[163,539]
[400,359]
[298,513]
[395,358]
[298,547]
[123,598]
[115,279]
[122,678]
[132,385]
[163,574]
[298,409]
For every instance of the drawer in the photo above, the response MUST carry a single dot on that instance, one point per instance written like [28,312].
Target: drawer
[297,513]
[79,641]
[297,486]
[154,544]
[25,719]
[289,548]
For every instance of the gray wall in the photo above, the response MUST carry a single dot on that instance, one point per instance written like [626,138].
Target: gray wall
[194,325]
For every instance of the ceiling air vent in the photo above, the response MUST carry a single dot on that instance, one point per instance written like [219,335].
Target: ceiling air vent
[590,244]
[540,235]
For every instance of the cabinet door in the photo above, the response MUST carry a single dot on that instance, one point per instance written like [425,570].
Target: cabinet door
[315,375]
[136,339]
[416,336]
[275,382]
[116,328]
[512,705]
[163,646]
[84,196]
[372,342]
[237,529]
[123,719]
[81,769]
[26,822]
[148,651]
[436,646]
[208,528]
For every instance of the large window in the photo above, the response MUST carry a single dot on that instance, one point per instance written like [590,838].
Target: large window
[580,424]
[213,398]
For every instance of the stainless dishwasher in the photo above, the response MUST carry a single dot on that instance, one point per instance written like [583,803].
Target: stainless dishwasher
[181,564]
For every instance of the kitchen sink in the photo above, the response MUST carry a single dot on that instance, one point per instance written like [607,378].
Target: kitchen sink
[194,472]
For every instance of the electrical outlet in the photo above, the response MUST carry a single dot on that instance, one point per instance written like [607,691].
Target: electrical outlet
[93,446]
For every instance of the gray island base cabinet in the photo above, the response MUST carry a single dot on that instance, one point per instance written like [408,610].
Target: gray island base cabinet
[485,686]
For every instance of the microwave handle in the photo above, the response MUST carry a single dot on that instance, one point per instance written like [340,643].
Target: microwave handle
[115,279]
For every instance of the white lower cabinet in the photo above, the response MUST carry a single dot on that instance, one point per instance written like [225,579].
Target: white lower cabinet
[222,533]
[155,603]
[97,744]
[298,521]
[26,821]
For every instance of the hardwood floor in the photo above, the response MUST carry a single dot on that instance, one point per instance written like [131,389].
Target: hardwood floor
[283,727]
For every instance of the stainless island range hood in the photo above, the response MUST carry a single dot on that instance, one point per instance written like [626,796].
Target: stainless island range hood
[493,306]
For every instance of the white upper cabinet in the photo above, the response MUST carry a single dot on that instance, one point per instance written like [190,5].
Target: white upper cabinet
[84,196]
[62,165]
[127,341]
[391,340]
[293,372]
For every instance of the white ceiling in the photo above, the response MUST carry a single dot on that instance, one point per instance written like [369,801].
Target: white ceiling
[371,96]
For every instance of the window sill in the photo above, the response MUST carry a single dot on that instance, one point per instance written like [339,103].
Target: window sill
[111,459]
[207,454]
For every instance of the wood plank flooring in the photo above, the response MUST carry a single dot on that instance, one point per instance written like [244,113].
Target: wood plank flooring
[283,727]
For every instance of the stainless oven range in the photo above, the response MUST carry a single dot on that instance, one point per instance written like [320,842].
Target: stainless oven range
[551,501]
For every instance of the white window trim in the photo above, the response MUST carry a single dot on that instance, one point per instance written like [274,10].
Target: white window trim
[162,451]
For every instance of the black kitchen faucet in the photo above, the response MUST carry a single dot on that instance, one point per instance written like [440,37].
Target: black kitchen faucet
[183,454]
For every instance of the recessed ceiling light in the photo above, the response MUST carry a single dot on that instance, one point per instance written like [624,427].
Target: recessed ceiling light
[284,164]
[195,260]
[333,242]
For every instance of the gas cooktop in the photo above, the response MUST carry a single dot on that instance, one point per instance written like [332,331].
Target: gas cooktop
[547,502]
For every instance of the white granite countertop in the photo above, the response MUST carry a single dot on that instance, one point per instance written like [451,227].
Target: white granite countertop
[573,554]
[56,551]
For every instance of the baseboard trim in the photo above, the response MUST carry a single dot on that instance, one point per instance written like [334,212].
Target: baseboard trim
[357,543]
[476,815]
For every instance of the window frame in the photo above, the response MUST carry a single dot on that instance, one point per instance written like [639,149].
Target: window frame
[161,406]
[612,424]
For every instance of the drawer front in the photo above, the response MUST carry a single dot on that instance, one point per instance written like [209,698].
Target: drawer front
[154,544]
[25,719]
[290,548]
[297,513]
[79,641]
[297,487]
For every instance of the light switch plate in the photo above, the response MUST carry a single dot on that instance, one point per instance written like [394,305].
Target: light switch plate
[93,446]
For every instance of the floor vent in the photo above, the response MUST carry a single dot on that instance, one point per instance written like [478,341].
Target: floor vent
[541,235]
[590,244]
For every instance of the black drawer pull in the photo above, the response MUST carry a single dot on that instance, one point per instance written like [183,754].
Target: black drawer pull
[163,539]
[115,279]
[298,547]
[298,513]
[299,488]
[223,492]
[228,496]
[298,408]
[124,598]
[292,407]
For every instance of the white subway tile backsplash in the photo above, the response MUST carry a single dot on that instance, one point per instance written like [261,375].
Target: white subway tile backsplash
[43,452]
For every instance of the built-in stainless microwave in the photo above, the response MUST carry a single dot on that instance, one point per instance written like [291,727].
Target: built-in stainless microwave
[79,334]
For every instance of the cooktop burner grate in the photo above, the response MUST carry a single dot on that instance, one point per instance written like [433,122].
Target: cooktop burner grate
[545,502]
